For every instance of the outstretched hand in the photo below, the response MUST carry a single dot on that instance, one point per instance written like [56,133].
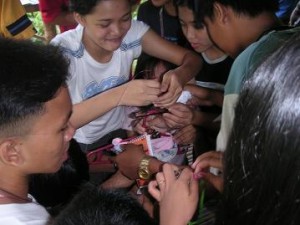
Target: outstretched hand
[140,92]
[177,195]
[202,166]
[171,89]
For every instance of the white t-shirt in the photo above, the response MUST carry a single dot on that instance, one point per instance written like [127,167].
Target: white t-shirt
[89,77]
[26,213]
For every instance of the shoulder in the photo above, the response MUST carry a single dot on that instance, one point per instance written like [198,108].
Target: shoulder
[70,41]
[29,213]
[136,31]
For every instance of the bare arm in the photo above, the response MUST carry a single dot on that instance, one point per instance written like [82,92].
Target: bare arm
[133,93]
[205,94]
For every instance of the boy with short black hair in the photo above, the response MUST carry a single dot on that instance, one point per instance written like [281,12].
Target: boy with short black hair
[247,30]
[35,109]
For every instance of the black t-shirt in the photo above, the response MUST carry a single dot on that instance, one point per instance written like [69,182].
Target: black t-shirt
[163,24]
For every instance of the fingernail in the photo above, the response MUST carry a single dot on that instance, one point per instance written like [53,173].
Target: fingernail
[198,176]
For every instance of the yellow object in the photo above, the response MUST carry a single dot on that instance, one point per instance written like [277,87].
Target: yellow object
[14,22]
[143,171]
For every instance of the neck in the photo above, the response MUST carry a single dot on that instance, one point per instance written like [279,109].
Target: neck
[213,53]
[13,189]
[170,8]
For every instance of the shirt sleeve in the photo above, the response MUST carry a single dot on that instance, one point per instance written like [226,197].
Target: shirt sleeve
[14,22]
[50,9]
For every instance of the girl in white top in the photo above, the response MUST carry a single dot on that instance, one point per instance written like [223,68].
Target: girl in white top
[101,50]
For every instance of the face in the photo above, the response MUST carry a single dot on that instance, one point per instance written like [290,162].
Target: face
[159,3]
[107,24]
[198,38]
[45,147]
[223,31]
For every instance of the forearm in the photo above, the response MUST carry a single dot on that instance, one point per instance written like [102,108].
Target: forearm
[90,109]
[155,165]
[190,66]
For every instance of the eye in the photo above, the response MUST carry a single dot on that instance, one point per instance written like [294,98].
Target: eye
[127,18]
[104,25]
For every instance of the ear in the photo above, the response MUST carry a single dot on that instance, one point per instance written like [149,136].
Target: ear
[10,152]
[79,19]
[221,13]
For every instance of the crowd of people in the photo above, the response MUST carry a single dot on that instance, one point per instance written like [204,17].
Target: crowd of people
[220,77]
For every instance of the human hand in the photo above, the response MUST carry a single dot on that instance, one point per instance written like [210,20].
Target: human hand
[137,126]
[157,123]
[129,160]
[139,92]
[195,102]
[179,115]
[171,89]
[204,162]
[185,135]
[177,197]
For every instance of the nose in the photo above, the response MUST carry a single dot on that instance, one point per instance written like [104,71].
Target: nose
[116,29]
[190,32]
[70,132]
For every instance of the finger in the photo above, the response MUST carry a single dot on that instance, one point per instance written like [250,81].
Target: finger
[151,83]
[212,153]
[161,181]
[170,171]
[207,163]
[165,84]
[153,190]
[216,181]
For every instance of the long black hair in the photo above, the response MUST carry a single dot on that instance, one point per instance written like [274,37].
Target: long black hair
[262,160]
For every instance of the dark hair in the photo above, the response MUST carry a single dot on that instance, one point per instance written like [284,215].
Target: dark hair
[262,160]
[54,191]
[204,8]
[95,206]
[30,76]
[191,5]
[149,67]
[84,7]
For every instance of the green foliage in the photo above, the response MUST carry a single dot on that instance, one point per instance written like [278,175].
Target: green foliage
[37,22]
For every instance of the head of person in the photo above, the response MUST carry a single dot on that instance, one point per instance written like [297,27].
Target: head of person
[94,206]
[194,31]
[55,190]
[154,69]
[222,20]
[35,107]
[105,22]
[262,160]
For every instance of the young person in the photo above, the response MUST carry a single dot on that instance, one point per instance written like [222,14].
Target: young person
[56,12]
[261,163]
[248,31]
[34,124]
[161,17]
[94,206]
[101,50]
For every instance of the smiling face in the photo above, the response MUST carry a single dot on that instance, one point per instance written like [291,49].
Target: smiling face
[44,148]
[197,37]
[106,25]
